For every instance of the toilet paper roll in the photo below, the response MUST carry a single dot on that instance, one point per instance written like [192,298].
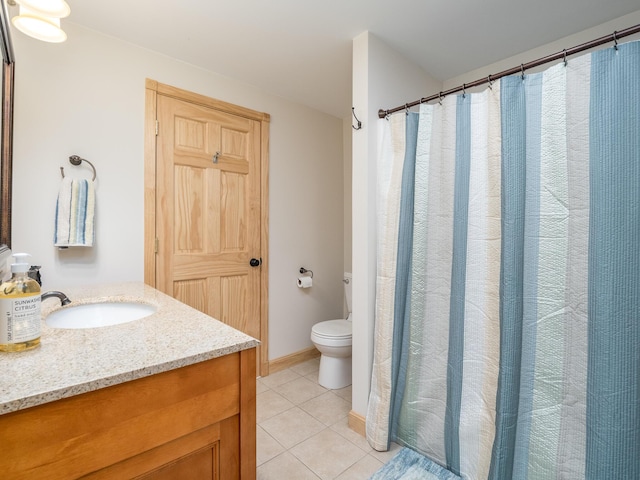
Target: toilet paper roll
[304,282]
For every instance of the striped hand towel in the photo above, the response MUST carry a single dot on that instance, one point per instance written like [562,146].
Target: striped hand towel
[75,214]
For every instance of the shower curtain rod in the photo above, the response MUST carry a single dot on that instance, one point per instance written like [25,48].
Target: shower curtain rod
[614,37]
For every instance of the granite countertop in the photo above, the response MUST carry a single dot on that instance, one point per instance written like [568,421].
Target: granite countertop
[73,361]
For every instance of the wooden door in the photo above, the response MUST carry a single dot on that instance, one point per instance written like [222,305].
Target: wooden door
[209,213]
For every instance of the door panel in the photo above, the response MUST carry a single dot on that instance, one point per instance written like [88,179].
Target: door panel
[192,292]
[233,212]
[233,290]
[190,210]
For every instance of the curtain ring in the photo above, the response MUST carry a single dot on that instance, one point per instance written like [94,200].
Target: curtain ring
[464,90]
[440,98]
[522,71]
[565,56]
[406,109]
[615,40]
[490,82]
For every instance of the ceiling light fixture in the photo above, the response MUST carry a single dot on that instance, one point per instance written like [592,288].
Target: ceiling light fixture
[41,19]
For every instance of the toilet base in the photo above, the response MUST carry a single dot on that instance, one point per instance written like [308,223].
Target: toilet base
[335,372]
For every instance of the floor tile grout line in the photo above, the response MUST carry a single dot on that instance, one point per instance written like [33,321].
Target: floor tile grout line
[334,426]
[301,462]
[310,468]
[324,427]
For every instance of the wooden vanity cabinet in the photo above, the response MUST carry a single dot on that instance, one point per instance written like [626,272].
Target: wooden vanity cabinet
[195,422]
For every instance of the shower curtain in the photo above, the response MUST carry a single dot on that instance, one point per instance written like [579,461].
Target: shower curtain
[507,337]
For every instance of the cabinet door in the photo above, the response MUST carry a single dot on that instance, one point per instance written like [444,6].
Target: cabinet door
[200,465]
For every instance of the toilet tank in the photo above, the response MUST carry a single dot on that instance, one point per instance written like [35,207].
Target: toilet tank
[348,282]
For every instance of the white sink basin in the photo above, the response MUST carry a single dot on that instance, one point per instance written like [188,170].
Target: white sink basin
[102,314]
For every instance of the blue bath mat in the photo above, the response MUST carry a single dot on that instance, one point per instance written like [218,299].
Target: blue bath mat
[409,465]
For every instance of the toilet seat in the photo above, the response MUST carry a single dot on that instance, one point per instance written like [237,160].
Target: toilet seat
[335,333]
[338,329]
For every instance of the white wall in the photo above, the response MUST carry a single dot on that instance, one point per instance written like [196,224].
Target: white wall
[86,97]
[347,175]
[549,49]
[382,78]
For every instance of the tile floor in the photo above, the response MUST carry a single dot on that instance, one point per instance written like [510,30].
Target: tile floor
[302,430]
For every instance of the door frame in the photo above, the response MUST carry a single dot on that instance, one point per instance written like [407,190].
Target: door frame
[152,90]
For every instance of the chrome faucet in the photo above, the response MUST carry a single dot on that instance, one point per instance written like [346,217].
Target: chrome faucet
[64,300]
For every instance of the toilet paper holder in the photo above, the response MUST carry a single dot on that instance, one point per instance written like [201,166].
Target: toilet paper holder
[304,270]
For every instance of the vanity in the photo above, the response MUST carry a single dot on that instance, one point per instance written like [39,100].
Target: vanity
[168,396]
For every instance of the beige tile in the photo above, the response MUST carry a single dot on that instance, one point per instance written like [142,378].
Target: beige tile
[309,367]
[293,412]
[267,447]
[344,393]
[285,466]
[299,390]
[342,427]
[328,407]
[292,427]
[260,386]
[278,378]
[327,454]
[313,376]
[362,469]
[384,457]
[270,403]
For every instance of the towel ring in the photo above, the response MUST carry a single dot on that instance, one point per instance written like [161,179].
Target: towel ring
[76,160]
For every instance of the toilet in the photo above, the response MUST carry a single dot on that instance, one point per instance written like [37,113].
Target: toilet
[333,339]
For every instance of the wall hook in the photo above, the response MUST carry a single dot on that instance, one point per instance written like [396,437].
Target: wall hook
[76,160]
[353,111]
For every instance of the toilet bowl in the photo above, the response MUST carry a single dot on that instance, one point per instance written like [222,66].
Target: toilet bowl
[333,339]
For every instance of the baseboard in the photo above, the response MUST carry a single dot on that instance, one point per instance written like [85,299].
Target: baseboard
[357,423]
[293,359]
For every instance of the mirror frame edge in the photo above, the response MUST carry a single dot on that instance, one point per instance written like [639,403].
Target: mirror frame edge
[6,133]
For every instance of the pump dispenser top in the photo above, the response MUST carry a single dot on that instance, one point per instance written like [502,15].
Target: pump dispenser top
[20,265]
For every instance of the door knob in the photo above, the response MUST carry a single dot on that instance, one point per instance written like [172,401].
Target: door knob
[254,262]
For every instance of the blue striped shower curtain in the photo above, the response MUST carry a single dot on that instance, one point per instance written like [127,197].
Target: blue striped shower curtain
[507,340]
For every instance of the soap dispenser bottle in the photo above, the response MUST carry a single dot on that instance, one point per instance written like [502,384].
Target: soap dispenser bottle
[19,309]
